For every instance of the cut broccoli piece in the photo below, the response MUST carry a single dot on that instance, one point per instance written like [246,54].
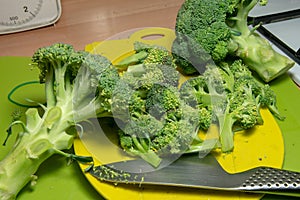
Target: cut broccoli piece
[220,28]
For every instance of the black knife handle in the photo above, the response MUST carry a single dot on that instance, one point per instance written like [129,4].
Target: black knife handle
[266,178]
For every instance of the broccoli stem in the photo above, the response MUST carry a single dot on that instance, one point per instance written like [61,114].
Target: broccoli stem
[151,157]
[256,51]
[145,153]
[18,168]
[259,55]
[226,122]
[242,15]
[137,70]
[49,88]
[41,138]
[226,135]
[131,60]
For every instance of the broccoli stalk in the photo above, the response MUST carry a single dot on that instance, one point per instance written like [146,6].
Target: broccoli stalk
[256,52]
[240,110]
[76,88]
[220,28]
[40,139]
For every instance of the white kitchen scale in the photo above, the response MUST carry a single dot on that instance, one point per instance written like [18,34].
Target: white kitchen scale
[22,15]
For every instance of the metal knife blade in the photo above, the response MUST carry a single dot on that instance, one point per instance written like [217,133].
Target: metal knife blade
[206,173]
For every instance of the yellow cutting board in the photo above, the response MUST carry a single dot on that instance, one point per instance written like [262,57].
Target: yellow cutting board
[260,146]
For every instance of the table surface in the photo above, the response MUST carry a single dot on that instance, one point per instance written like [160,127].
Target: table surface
[85,21]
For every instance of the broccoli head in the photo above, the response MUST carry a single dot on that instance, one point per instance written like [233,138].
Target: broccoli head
[221,29]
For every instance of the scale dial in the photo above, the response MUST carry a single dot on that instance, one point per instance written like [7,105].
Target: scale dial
[18,12]
[21,15]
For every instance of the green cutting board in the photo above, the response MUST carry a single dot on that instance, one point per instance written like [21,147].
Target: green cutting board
[60,181]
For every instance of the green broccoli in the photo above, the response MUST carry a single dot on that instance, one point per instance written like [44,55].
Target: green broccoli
[196,94]
[148,65]
[93,98]
[222,99]
[153,139]
[77,87]
[175,137]
[136,138]
[143,76]
[220,28]
[265,96]
[162,100]
[155,120]
[240,110]
[147,54]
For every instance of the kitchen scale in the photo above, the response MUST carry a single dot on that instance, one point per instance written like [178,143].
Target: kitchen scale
[22,15]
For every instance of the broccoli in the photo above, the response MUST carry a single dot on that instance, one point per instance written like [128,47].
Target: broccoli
[265,96]
[224,99]
[136,126]
[153,139]
[154,120]
[93,98]
[77,87]
[239,110]
[156,66]
[195,93]
[147,54]
[143,76]
[162,100]
[175,137]
[220,28]
[136,136]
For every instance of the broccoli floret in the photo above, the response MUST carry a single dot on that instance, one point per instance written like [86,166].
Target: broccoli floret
[240,110]
[149,64]
[189,55]
[268,99]
[175,137]
[127,102]
[196,94]
[221,29]
[162,99]
[195,91]
[133,59]
[147,54]
[136,137]
[147,131]
[236,107]
[152,139]
[153,123]
[223,97]
[265,96]
[77,86]
[142,77]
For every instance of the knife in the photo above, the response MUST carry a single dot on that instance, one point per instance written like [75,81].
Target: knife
[206,173]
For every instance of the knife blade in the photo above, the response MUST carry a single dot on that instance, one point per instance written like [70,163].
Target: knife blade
[205,173]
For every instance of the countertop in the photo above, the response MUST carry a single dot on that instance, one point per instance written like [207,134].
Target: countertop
[86,21]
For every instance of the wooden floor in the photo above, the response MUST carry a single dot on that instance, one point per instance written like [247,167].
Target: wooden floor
[86,21]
